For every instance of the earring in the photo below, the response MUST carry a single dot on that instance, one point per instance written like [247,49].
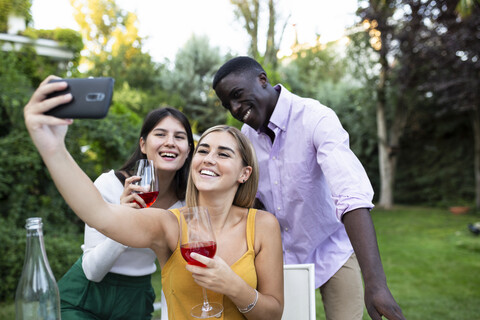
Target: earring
[264,85]
[244,181]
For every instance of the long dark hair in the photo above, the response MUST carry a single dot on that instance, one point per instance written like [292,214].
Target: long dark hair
[149,123]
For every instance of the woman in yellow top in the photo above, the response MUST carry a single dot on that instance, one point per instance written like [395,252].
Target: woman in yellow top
[246,273]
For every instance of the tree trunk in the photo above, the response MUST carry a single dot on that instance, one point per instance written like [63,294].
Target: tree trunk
[386,172]
[385,161]
[271,49]
[250,11]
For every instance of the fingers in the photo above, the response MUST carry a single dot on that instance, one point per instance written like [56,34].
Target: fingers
[374,315]
[38,103]
[132,200]
[197,270]
[202,275]
[386,309]
[131,204]
[394,313]
[35,120]
[130,184]
[49,78]
[216,276]
[139,200]
[129,197]
[47,88]
[210,263]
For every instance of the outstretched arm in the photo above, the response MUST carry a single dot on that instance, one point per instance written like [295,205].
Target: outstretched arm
[120,223]
[378,299]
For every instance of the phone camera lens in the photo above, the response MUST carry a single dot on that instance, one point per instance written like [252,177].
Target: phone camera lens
[97,96]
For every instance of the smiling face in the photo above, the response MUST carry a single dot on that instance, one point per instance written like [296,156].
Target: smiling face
[166,144]
[248,97]
[217,164]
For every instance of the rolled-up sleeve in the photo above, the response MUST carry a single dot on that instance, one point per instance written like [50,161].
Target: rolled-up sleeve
[346,177]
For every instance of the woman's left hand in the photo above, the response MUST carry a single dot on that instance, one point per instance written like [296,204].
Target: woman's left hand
[216,276]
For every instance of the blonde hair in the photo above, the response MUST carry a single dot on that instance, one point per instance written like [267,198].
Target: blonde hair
[246,192]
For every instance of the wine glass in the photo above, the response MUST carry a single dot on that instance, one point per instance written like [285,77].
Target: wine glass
[145,169]
[196,235]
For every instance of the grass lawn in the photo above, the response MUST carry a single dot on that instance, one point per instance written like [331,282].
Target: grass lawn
[431,260]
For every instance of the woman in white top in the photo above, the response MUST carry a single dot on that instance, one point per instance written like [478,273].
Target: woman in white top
[111,280]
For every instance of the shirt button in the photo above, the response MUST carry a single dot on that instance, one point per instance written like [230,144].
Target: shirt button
[288,250]
[279,209]
[286,229]
[274,157]
[276,182]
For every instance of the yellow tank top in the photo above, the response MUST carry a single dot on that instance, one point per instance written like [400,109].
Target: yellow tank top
[182,293]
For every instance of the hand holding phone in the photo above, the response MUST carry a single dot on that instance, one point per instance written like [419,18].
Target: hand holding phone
[91,98]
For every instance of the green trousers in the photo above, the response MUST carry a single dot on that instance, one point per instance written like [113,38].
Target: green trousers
[115,297]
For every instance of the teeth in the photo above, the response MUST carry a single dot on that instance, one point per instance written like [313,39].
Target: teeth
[168,154]
[208,173]
[246,115]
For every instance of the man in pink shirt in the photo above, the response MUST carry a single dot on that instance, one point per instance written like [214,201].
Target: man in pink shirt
[315,186]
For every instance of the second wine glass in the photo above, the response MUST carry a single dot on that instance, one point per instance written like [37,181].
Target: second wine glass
[145,169]
[196,235]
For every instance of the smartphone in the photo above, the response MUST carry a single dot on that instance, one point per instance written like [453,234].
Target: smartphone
[91,98]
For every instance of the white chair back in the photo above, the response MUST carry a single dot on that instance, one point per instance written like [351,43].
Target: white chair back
[299,288]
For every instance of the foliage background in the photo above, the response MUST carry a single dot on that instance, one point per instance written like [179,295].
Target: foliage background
[436,153]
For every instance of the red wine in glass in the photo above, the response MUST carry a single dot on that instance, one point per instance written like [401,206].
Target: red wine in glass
[196,235]
[205,248]
[148,197]
[145,169]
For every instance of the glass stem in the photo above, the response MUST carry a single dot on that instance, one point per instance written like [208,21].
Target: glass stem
[206,306]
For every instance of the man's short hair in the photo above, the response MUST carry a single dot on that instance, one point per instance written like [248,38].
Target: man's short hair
[235,65]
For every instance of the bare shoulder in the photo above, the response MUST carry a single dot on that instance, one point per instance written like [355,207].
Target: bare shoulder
[266,221]
[267,234]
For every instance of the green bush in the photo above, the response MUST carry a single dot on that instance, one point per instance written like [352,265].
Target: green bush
[18,7]
[67,37]
[12,251]
[62,251]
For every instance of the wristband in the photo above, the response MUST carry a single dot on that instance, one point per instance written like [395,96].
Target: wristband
[251,305]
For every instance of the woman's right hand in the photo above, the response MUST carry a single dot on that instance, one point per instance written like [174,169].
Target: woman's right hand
[47,132]
[129,194]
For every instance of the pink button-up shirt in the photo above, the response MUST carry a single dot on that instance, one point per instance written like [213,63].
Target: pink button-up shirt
[309,178]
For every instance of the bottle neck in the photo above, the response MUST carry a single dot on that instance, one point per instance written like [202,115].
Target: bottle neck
[35,248]
[35,245]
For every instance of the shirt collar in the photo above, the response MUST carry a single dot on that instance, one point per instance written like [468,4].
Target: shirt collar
[280,115]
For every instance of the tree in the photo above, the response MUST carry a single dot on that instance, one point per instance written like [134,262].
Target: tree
[376,13]
[427,65]
[393,37]
[451,50]
[250,12]
[309,69]
[191,80]
[16,7]
[113,47]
